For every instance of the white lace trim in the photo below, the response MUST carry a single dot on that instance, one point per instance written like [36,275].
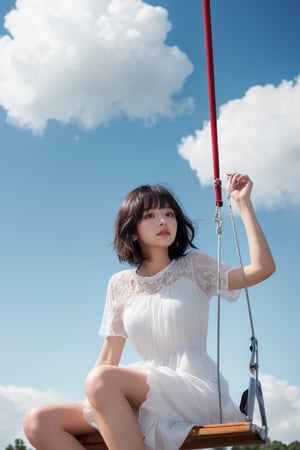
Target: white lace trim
[124,285]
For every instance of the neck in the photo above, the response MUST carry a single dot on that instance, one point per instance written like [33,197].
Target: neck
[154,264]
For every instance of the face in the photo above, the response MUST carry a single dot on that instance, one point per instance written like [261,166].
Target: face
[157,228]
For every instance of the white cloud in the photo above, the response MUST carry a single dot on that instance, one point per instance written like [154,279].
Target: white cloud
[15,401]
[89,62]
[259,134]
[282,402]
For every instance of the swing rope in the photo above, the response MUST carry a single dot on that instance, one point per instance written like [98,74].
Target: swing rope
[212,100]
[237,245]
[254,390]
[219,223]
[216,171]
[215,152]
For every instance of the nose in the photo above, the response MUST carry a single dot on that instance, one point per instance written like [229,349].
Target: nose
[162,220]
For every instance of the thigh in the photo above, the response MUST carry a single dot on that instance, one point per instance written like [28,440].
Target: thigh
[133,384]
[64,416]
[130,383]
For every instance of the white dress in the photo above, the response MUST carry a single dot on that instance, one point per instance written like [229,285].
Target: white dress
[165,316]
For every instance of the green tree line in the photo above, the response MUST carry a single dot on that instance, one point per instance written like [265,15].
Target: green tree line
[272,445]
[18,445]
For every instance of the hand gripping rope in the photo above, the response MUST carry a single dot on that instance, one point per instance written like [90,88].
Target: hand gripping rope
[254,391]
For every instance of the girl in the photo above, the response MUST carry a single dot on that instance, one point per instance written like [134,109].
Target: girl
[162,306]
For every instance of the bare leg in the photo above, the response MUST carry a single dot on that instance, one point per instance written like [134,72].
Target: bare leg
[114,394]
[53,426]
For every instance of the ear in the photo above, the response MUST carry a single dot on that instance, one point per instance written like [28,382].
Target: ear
[134,238]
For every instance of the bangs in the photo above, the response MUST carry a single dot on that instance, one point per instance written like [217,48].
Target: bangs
[156,197]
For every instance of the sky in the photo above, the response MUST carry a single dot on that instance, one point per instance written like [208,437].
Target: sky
[98,97]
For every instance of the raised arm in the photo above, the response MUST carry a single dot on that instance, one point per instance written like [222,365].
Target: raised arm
[261,264]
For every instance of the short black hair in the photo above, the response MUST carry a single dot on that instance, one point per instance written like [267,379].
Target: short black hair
[142,199]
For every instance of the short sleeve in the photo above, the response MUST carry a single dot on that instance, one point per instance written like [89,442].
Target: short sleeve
[205,270]
[112,320]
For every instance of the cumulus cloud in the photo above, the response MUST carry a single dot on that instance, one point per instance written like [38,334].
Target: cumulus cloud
[89,62]
[15,401]
[282,402]
[259,134]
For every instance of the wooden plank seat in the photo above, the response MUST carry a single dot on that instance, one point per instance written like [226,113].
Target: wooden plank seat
[206,436]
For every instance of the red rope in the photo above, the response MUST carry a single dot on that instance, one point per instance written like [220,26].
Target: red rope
[212,99]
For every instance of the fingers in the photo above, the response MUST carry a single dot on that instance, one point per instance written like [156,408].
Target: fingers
[239,186]
[237,180]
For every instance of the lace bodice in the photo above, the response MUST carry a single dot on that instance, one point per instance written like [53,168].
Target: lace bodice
[196,267]
[165,317]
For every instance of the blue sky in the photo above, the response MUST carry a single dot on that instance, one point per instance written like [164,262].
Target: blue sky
[82,123]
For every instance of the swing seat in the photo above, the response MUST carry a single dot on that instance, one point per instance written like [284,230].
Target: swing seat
[205,436]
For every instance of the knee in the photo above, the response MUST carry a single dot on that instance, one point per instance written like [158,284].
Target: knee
[34,425]
[99,384]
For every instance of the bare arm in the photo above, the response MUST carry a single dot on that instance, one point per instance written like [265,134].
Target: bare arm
[111,351]
[261,261]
